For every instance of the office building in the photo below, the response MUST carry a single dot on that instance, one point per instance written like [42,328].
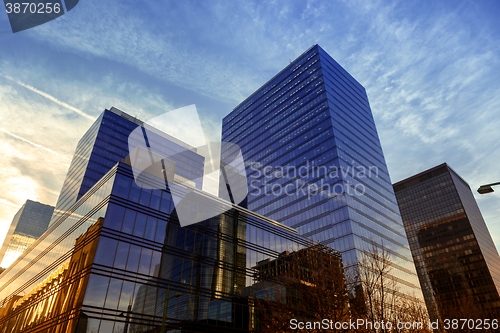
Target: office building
[131,259]
[315,163]
[117,259]
[106,143]
[29,223]
[456,259]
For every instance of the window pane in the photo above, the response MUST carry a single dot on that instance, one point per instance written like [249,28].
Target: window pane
[106,251]
[133,258]
[145,261]
[160,231]
[150,302]
[119,327]
[155,199]
[128,221]
[113,295]
[135,193]
[114,217]
[155,264]
[166,199]
[121,255]
[88,326]
[145,197]
[106,326]
[121,186]
[96,290]
[150,229]
[126,296]
[140,225]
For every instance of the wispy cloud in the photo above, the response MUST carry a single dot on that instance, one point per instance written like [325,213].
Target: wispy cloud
[8,203]
[51,98]
[34,144]
[153,51]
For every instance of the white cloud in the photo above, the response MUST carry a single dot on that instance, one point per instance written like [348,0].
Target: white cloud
[34,144]
[50,98]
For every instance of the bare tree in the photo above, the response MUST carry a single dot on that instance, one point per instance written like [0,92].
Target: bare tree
[309,286]
[383,302]
[377,285]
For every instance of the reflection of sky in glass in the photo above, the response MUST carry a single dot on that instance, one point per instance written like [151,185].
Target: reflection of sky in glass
[54,247]
[313,120]
[149,235]
[16,246]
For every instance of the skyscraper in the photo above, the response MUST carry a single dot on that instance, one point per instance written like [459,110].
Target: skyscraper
[29,223]
[315,163]
[456,259]
[116,257]
[102,146]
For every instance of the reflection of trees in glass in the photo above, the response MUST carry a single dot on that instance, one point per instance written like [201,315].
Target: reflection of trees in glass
[307,284]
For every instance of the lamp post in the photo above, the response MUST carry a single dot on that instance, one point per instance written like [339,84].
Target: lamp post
[127,316]
[484,189]
[165,308]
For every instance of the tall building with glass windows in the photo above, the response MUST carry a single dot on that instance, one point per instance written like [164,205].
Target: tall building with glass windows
[315,163]
[29,223]
[117,259]
[102,146]
[456,259]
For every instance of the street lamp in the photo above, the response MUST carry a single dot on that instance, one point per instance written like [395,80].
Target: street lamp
[127,316]
[165,308]
[483,189]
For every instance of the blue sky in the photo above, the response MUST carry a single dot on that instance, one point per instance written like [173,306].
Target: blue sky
[430,68]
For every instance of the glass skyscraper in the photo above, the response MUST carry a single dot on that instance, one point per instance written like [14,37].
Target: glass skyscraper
[104,144]
[117,260]
[314,162]
[456,259]
[29,223]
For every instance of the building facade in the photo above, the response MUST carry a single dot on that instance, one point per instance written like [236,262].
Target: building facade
[457,262]
[117,259]
[105,143]
[29,223]
[132,257]
[314,162]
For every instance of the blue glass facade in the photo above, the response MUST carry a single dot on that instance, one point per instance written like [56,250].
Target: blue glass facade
[314,162]
[106,143]
[141,258]
[116,259]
